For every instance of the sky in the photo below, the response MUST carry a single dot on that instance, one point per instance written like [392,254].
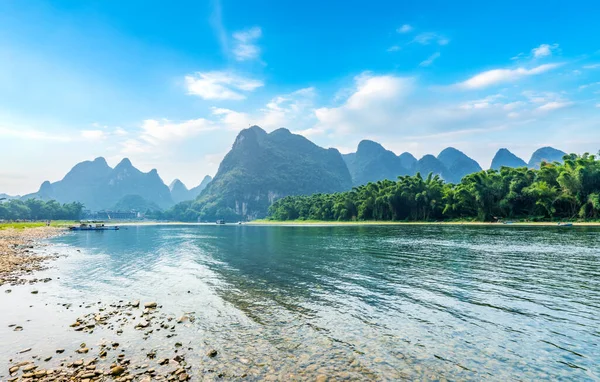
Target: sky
[170,85]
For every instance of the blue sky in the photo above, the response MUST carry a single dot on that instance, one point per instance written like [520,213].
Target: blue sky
[171,85]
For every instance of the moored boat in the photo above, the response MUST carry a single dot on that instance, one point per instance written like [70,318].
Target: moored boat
[565,224]
[93,226]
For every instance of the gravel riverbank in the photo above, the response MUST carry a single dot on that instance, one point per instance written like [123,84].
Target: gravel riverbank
[17,258]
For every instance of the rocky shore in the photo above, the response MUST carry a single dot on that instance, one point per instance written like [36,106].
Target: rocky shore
[17,259]
[109,359]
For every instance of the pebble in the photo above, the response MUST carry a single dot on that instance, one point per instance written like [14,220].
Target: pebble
[117,370]
[25,350]
[150,305]
[29,367]
[212,353]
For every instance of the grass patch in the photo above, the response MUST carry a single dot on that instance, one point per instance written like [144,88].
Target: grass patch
[23,225]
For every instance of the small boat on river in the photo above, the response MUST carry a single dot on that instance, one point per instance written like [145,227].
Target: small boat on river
[565,224]
[94,226]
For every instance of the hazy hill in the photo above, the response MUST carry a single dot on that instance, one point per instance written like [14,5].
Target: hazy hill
[545,154]
[98,186]
[505,158]
[195,191]
[457,164]
[8,197]
[372,162]
[179,191]
[409,162]
[430,164]
[261,168]
[135,202]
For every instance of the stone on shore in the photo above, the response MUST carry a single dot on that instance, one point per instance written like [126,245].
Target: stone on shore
[117,370]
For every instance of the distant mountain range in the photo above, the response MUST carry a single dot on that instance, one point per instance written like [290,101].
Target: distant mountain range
[100,187]
[260,168]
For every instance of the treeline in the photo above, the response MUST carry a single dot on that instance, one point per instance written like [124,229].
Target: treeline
[565,190]
[36,209]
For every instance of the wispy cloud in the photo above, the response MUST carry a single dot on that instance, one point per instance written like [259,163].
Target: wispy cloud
[155,134]
[220,85]
[93,135]
[291,110]
[585,86]
[554,105]
[245,44]
[216,21]
[498,76]
[405,28]
[32,134]
[394,48]
[428,38]
[544,50]
[592,66]
[430,59]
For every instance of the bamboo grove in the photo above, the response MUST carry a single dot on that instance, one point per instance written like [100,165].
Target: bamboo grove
[568,190]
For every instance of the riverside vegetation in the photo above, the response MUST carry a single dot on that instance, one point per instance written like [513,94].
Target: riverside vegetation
[37,209]
[565,190]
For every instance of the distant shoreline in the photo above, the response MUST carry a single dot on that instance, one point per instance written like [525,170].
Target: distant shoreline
[361,223]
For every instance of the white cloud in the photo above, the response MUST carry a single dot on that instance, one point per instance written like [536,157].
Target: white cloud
[93,135]
[405,29]
[591,66]
[368,105]
[220,85]
[554,105]
[484,103]
[598,105]
[245,44]
[544,50]
[157,132]
[431,37]
[288,110]
[156,135]
[430,59]
[394,48]
[120,132]
[497,76]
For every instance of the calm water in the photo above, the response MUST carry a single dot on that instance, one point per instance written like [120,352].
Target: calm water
[370,302]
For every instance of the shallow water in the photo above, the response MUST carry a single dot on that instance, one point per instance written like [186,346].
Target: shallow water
[359,302]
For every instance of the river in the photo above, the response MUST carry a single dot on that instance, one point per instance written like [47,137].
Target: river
[357,302]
